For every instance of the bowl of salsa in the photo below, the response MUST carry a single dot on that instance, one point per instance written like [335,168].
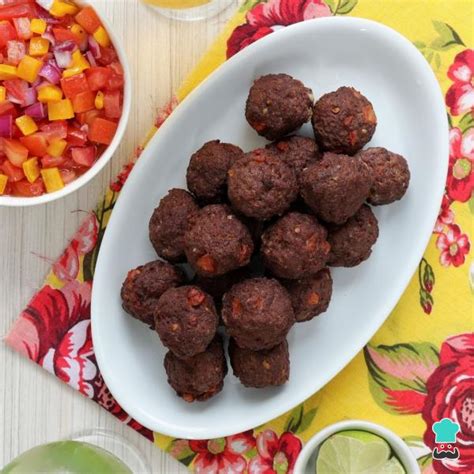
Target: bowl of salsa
[65,94]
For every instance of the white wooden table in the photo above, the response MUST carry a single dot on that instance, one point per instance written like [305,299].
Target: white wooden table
[35,407]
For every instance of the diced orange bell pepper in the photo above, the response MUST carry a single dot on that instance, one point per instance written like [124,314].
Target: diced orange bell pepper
[83,102]
[31,169]
[38,26]
[74,85]
[50,93]
[102,37]
[52,179]
[56,148]
[26,125]
[62,8]
[61,110]
[29,68]
[7,72]
[38,46]
[79,31]
[102,131]
[3,183]
[88,19]
[3,93]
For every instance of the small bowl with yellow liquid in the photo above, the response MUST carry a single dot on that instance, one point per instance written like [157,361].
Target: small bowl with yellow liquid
[189,10]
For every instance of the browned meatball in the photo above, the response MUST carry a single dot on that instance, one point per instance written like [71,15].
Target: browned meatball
[336,187]
[343,121]
[295,246]
[390,172]
[207,171]
[278,105]
[260,369]
[352,242]
[310,296]
[143,287]
[199,377]
[257,313]
[297,152]
[217,242]
[169,222]
[186,320]
[260,185]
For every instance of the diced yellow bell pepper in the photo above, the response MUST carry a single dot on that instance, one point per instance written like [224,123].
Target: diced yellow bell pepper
[79,31]
[99,100]
[62,8]
[102,37]
[29,68]
[7,72]
[50,93]
[3,183]
[56,148]
[26,124]
[52,179]
[62,110]
[79,61]
[38,26]
[38,46]
[72,71]
[31,169]
[3,93]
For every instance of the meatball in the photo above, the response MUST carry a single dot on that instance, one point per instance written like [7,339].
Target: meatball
[199,377]
[297,152]
[259,369]
[186,320]
[207,170]
[343,121]
[258,313]
[143,287]
[278,105]
[310,296]
[260,185]
[390,173]
[169,222]
[217,242]
[336,187]
[295,246]
[352,242]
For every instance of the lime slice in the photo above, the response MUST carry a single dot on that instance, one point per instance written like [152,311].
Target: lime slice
[350,452]
[392,466]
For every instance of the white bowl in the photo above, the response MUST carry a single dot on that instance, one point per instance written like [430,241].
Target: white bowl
[307,459]
[18,201]
[324,53]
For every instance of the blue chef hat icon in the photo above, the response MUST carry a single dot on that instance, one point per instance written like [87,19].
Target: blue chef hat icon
[445,430]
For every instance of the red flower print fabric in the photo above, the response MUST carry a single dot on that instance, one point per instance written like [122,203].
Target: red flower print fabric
[460,96]
[454,246]
[460,183]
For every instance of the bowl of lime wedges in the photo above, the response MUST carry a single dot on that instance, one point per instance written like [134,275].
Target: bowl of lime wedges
[356,446]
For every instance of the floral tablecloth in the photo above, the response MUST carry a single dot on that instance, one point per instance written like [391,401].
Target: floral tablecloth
[417,369]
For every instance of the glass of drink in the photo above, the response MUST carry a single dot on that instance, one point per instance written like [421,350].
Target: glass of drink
[189,10]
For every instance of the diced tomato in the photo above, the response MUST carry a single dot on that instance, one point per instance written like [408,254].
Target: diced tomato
[27,189]
[15,151]
[67,175]
[56,130]
[7,33]
[84,156]
[21,8]
[13,172]
[74,85]
[7,108]
[107,56]
[16,51]
[17,88]
[112,106]
[22,27]
[62,34]
[102,131]
[88,19]
[97,77]
[83,102]
[36,144]
[86,118]
[115,82]
[117,68]
[76,136]
[52,162]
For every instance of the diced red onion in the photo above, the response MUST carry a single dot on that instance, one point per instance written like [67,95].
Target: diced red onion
[91,59]
[51,72]
[6,126]
[14,100]
[16,51]
[46,4]
[36,111]
[63,53]
[48,35]
[30,97]
[94,48]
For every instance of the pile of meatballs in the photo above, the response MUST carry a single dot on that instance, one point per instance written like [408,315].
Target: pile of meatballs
[249,245]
